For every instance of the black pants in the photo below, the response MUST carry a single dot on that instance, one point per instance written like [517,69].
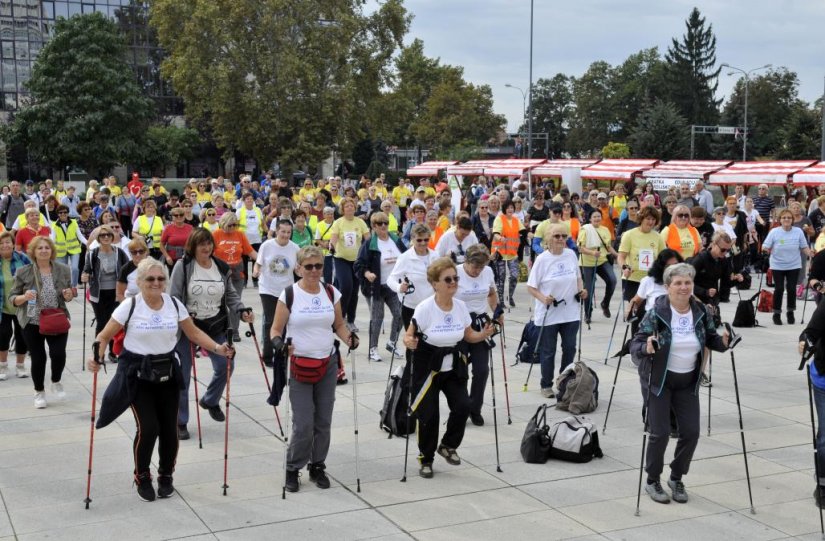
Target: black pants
[347,284]
[37,349]
[629,289]
[156,414]
[268,303]
[784,281]
[246,261]
[406,319]
[480,361]
[10,326]
[103,309]
[678,394]
[455,390]
[126,225]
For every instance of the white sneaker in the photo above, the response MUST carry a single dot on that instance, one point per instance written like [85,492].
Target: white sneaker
[57,389]
[395,350]
[21,371]
[547,392]
[4,371]
[374,356]
[40,400]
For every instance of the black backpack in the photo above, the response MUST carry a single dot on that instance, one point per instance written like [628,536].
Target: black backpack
[745,313]
[527,344]
[396,402]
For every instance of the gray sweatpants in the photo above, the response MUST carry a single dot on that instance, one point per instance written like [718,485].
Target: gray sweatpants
[311,411]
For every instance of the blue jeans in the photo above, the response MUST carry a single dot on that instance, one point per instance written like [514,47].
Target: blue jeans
[819,404]
[213,393]
[72,261]
[547,349]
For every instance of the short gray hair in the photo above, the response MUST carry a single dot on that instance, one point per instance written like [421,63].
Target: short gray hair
[679,269]
[148,264]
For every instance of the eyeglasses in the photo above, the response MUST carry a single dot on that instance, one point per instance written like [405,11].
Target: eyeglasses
[313,266]
[632,208]
[450,279]
[560,236]
[177,215]
[138,252]
[153,279]
[379,224]
[683,215]
[422,241]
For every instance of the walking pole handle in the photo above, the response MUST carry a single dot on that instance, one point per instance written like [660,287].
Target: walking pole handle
[96,355]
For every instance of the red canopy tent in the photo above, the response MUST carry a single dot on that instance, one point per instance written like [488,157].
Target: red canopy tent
[614,170]
[512,167]
[552,169]
[671,172]
[428,169]
[472,168]
[774,173]
[810,176]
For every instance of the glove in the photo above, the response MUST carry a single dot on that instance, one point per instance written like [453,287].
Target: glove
[353,341]
[278,345]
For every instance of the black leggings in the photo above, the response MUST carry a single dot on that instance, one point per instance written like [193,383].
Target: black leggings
[347,284]
[455,390]
[784,281]
[103,309]
[37,349]
[10,326]
[156,415]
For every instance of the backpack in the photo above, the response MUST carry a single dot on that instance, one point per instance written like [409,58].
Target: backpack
[765,302]
[573,439]
[578,389]
[745,314]
[396,400]
[527,344]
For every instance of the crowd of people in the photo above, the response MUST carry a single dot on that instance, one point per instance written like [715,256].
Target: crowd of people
[439,268]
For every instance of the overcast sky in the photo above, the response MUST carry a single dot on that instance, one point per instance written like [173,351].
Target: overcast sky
[490,38]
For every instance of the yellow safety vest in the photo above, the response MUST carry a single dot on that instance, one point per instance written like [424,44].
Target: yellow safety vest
[152,229]
[242,218]
[24,222]
[66,241]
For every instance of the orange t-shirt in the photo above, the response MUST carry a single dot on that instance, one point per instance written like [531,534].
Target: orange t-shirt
[231,246]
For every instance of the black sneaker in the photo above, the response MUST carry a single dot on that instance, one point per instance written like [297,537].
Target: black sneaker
[236,337]
[165,487]
[145,490]
[317,475]
[449,455]
[777,319]
[477,419]
[291,483]
[606,311]
[268,362]
[183,432]
[656,492]
[512,303]
[791,318]
[819,497]
[214,411]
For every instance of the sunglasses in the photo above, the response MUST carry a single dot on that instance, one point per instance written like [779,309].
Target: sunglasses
[138,252]
[313,266]
[211,214]
[177,215]
[450,279]
[62,212]
[379,224]
[683,215]
[483,207]
[723,250]
[422,241]
[560,236]
[153,279]
[105,236]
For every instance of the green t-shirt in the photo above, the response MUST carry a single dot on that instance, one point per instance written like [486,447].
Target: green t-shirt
[302,239]
[350,235]
[8,280]
[641,249]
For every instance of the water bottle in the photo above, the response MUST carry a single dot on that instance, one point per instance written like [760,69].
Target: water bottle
[32,305]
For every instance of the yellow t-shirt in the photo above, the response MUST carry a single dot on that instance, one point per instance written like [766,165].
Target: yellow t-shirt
[323,233]
[641,249]
[306,194]
[381,192]
[618,202]
[402,196]
[820,243]
[350,234]
[114,191]
[593,243]
[205,197]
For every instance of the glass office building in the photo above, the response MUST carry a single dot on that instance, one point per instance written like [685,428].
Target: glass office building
[26,25]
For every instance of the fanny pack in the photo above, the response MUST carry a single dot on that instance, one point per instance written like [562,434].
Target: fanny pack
[308,369]
[156,368]
[214,325]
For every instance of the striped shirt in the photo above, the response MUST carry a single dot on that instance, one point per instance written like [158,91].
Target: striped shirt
[764,206]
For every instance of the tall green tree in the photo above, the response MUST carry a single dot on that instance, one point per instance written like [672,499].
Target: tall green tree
[636,82]
[276,79]
[692,74]
[167,146]
[86,107]
[552,111]
[593,119]
[661,132]
[801,134]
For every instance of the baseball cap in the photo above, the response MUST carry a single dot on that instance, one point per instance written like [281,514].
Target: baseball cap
[421,189]
[602,195]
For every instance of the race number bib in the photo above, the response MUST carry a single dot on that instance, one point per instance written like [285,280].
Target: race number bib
[646,258]
[349,239]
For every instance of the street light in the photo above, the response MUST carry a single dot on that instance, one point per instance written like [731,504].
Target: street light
[747,83]
[523,102]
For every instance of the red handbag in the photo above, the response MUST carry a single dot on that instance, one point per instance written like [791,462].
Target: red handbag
[53,321]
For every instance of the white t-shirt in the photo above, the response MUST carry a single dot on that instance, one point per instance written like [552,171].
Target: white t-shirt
[751,218]
[443,329]
[151,332]
[474,291]
[726,227]
[649,290]
[684,346]
[556,275]
[310,321]
[204,292]
[449,245]
[389,256]
[277,265]
[413,267]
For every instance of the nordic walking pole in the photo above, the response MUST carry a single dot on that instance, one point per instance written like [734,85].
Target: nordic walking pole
[805,304]
[591,295]
[813,433]
[581,329]
[96,354]
[495,415]
[615,322]
[732,341]
[352,342]
[229,336]
[83,363]
[710,384]
[536,349]
[251,333]
[414,323]
[645,416]
[506,383]
[615,377]
[286,399]
[197,401]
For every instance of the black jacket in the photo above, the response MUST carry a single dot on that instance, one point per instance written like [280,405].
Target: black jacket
[479,230]
[711,273]
[369,259]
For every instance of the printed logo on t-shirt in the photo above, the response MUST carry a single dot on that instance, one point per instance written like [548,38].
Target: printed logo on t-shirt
[448,319]
[279,265]
[475,285]
[316,301]
[683,327]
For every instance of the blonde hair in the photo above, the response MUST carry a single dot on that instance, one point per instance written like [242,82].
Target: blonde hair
[37,241]
[228,219]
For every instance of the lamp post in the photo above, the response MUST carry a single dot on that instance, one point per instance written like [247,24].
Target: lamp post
[530,92]
[746,74]
[523,102]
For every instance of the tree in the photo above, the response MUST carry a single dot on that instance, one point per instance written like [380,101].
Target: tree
[593,120]
[277,80]
[635,83]
[801,134]
[552,111]
[86,107]
[615,150]
[167,146]
[661,132]
[692,73]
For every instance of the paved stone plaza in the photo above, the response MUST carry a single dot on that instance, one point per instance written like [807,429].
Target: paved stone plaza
[43,456]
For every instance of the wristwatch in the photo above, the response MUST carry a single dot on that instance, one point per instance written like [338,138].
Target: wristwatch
[625,267]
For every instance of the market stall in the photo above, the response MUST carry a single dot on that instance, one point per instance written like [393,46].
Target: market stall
[678,172]
[618,170]
[772,173]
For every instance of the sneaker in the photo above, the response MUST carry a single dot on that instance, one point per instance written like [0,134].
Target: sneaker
[512,303]
[819,497]
[21,371]
[291,483]
[547,392]
[4,370]
[656,492]
[214,411]
[791,319]
[677,489]
[606,311]
[777,319]
[165,487]
[394,350]
[145,490]
[183,432]
[374,356]
[426,470]
[449,455]
[352,327]
[317,475]
[236,337]
[57,390]
[477,419]
[40,400]
[704,381]
[587,321]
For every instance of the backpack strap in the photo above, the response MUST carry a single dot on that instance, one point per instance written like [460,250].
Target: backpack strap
[131,311]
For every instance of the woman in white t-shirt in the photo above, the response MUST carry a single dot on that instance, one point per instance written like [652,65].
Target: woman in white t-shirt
[438,325]
[153,320]
[477,288]
[308,312]
[556,284]
[409,276]
[274,269]
[376,260]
